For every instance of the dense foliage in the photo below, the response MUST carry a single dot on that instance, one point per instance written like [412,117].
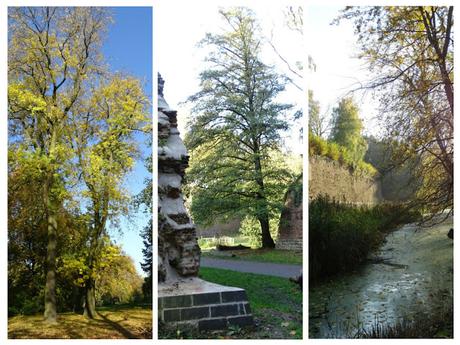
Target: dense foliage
[347,130]
[341,235]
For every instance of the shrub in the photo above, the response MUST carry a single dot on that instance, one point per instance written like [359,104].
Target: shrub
[32,306]
[320,147]
[333,152]
[317,146]
[364,168]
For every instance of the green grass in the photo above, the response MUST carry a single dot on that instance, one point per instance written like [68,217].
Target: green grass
[117,322]
[276,302]
[260,255]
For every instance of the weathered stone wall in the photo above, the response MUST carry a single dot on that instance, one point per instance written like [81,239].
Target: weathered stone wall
[330,177]
[290,231]
[178,250]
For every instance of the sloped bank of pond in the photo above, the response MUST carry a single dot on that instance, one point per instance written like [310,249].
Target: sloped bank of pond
[408,280]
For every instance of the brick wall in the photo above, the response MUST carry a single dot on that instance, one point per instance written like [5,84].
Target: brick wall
[290,231]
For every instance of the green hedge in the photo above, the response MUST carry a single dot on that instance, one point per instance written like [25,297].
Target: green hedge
[318,146]
[342,235]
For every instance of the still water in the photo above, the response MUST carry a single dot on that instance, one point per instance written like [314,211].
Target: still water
[412,273]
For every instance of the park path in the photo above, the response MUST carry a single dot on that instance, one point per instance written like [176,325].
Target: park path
[266,268]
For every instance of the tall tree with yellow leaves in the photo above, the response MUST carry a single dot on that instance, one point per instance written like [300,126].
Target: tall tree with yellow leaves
[52,54]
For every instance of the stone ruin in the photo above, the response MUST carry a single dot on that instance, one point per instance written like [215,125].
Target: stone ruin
[290,230]
[183,298]
[178,250]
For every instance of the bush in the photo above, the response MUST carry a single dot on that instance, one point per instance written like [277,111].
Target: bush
[366,168]
[333,152]
[342,235]
[319,147]
[21,302]
[32,306]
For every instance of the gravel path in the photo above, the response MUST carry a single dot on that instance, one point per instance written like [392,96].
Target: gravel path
[267,268]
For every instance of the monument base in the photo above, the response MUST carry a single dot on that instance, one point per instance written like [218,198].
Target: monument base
[205,305]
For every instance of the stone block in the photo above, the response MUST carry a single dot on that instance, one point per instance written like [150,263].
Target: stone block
[241,309]
[224,310]
[212,324]
[241,321]
[194,313]
[234,296]
[206,298]
[176,301]
[171,315]
[247,308]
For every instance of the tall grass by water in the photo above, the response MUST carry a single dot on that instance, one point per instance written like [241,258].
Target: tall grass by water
[342,235]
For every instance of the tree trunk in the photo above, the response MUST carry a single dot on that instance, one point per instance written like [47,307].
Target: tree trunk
[267,240]
[448,86]
[50,285]
[97,230]
[90,299]
[78,299]
[89,308]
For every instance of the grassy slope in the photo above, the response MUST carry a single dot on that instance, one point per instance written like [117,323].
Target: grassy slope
[276,302]
[113,323]
[261,255]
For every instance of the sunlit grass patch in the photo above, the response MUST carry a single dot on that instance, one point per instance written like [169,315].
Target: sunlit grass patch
[259,255]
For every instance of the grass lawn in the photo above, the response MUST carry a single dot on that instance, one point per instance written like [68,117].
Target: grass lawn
[122,321]
[262,255]
[276,304]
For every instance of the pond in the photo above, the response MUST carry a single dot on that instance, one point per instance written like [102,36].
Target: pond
[411,274]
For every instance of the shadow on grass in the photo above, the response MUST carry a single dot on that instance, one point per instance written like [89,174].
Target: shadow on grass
[116,326]
[130,322]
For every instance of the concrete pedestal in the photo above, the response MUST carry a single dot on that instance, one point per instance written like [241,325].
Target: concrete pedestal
[206,305]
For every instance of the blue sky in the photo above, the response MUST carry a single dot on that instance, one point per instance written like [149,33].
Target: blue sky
[128,49]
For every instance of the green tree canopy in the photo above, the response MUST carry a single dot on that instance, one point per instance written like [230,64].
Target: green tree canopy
[347,129]
[52,53]
[236,124]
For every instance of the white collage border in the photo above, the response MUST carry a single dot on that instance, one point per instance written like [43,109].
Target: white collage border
[156,6]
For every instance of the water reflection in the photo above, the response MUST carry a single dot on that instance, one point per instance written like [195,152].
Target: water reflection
[410,275]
